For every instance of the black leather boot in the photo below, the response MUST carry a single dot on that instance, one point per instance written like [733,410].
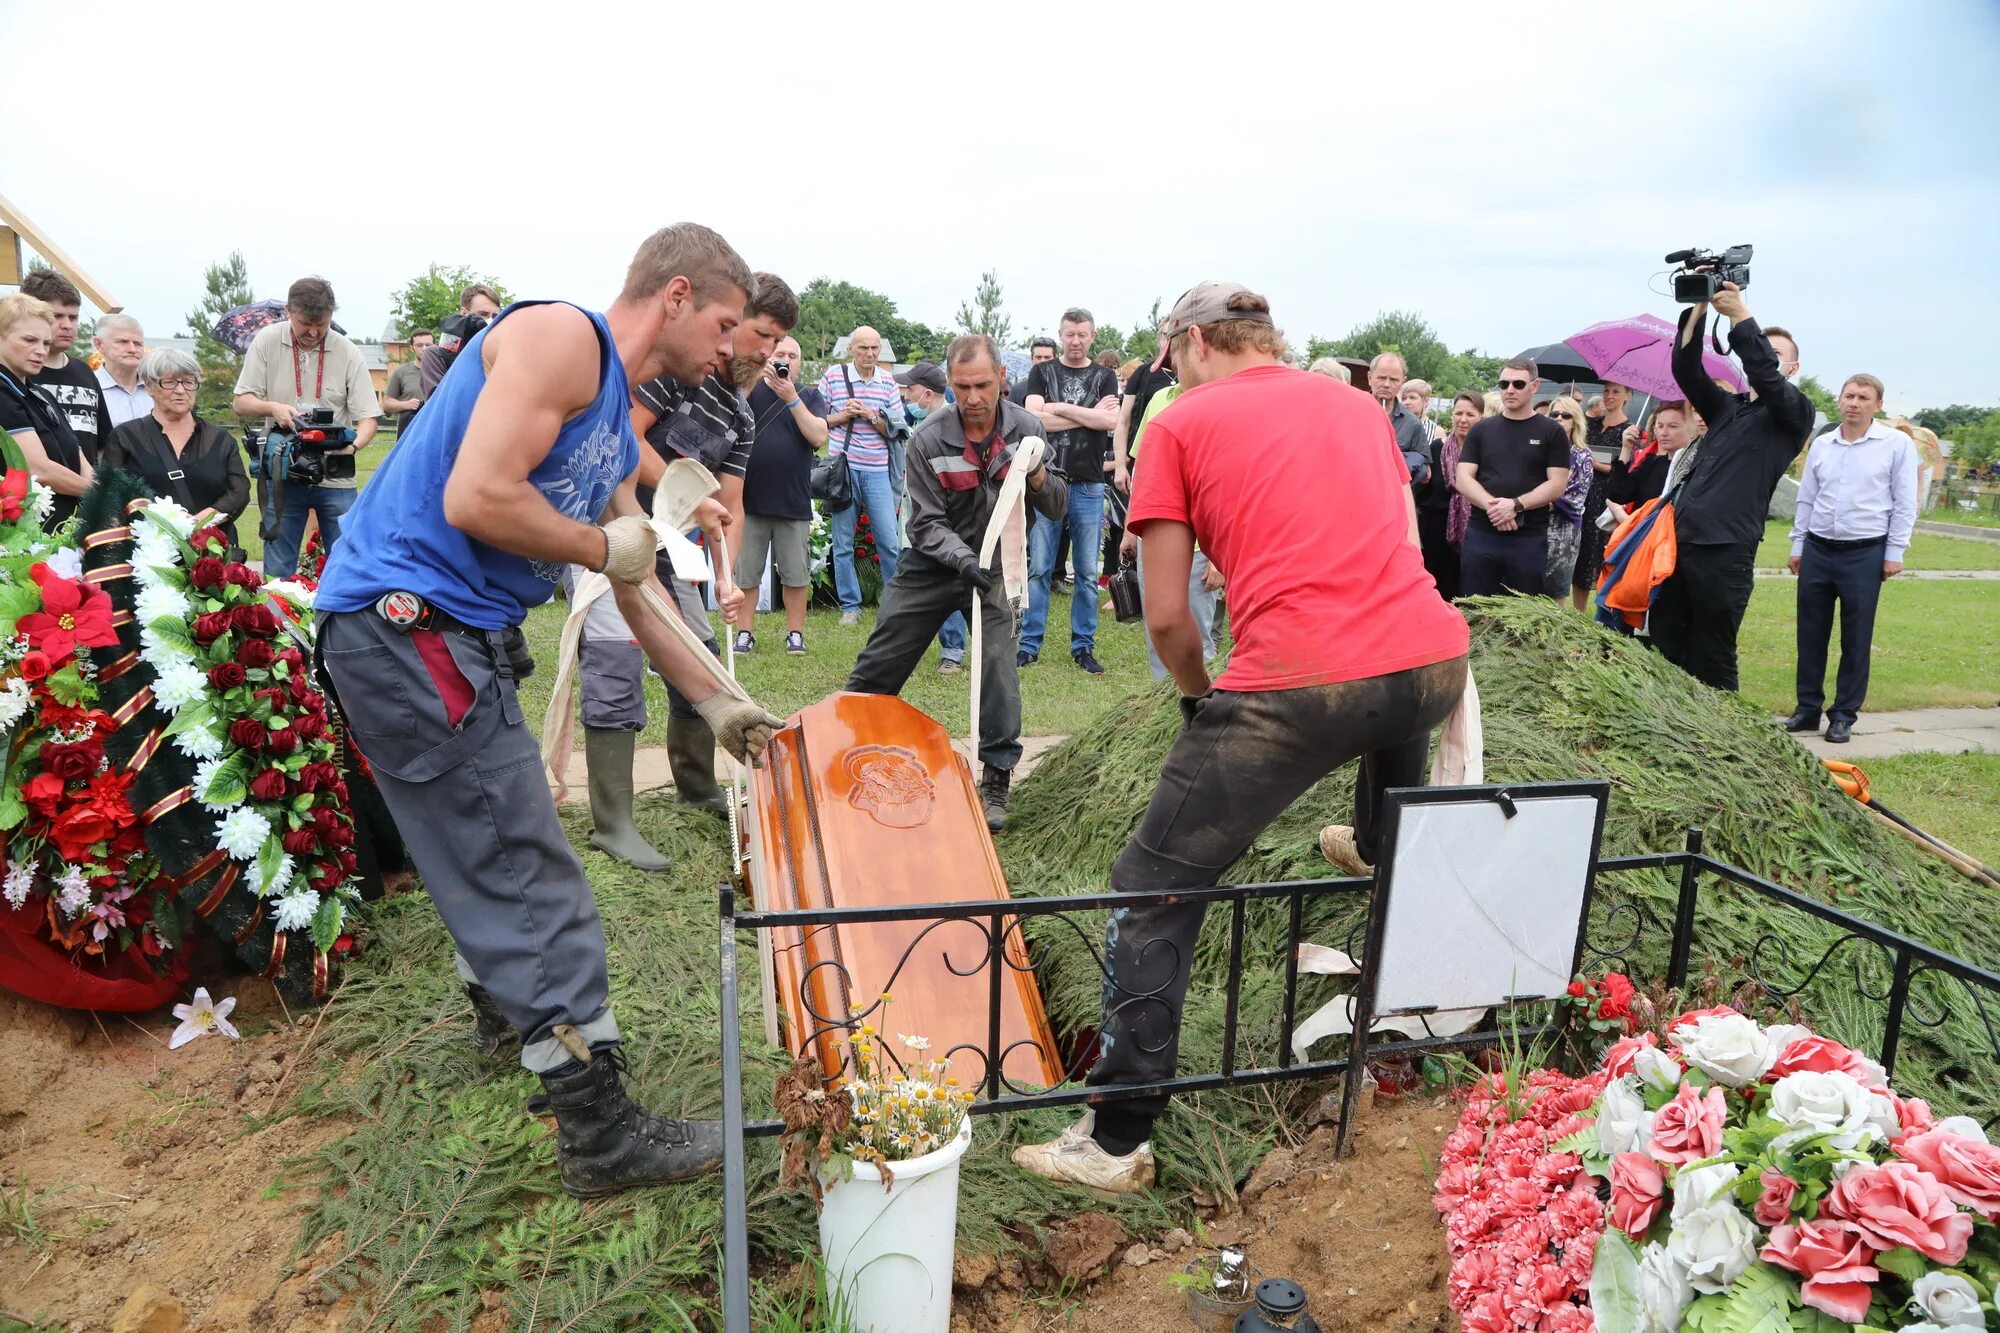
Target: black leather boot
[993,786]
[606,1142]
[491,1031]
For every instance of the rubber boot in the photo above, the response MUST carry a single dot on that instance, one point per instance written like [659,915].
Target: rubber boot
[691,754]
[609,757]
[491,1031]
[606,1142]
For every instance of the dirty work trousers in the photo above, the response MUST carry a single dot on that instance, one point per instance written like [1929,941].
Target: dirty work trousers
[1245,757]
[461,772]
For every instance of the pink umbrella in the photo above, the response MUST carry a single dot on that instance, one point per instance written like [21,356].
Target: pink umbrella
[1638,353]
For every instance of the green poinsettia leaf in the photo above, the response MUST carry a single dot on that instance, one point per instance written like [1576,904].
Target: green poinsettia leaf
[16,600]
[1614,1285]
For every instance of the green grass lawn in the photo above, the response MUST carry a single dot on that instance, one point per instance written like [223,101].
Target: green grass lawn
[1927,551]
[1982,517]
[1056,698]
[1937,645]
[1952,796]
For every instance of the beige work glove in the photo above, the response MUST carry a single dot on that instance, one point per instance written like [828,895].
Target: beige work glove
[629,546]
[741,726]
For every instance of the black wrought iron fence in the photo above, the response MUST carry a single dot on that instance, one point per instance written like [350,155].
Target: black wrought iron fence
[1885,966]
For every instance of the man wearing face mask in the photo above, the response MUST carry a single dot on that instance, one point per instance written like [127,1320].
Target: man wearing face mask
[296,363]
[926,393]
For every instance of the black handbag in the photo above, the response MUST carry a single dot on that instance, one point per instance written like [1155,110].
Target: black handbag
[1127,602]
[832,479]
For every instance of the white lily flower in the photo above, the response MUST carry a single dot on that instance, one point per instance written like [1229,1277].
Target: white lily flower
[201,1018]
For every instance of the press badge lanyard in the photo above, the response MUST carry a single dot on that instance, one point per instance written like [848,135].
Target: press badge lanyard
[299,378]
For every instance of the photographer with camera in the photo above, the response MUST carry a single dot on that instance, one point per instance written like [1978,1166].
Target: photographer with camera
[478,306]
[296,364]
[1752,438]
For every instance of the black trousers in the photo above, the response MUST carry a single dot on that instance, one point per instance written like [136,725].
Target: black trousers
[1698,610]
[1493,561]
[1246,757]
[1853,578]
[1440,557]
[915,606]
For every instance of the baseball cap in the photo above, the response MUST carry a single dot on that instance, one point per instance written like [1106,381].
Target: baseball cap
[1204,303]
[924,375]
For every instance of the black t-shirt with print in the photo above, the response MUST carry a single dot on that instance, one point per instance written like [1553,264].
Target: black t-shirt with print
[75,393]
[1082,453]
[1514,458]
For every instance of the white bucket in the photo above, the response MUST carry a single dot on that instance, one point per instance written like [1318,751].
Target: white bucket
[890,1251]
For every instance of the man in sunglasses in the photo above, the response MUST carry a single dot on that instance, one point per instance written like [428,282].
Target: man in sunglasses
[1513,467]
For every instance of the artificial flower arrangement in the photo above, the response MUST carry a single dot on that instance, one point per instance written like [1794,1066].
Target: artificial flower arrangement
[1734,1177]
[76,860]
[228,657]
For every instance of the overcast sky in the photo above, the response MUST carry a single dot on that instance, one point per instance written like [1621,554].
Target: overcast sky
[1512,174]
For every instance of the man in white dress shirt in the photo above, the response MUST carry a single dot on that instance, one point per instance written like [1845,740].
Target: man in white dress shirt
[1857,508]
[122,344]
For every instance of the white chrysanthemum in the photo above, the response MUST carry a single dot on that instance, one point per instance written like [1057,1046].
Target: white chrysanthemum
[153,550]
[242,833]
[13,702]
[20,883]
[200,742]
[66,563]
[157,599]
[72,891]
[280,881]
[44,498]
[179,685]
[295,911]
[176,517]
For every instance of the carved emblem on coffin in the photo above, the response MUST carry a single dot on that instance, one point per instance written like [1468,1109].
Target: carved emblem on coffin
[890,785]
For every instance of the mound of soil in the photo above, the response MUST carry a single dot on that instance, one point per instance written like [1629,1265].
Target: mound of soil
[124,1165]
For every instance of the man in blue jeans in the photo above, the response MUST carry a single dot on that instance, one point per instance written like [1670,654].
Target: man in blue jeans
[296,363]
[1076,401]
[868,425]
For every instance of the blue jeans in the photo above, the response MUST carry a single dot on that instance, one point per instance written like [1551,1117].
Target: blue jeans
[1085,524]
[874,496]
[951,639]
[281,553]
[1200,601]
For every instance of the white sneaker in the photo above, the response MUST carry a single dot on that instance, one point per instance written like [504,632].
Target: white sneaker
[1074,1158]
[1336,844]
[850,617]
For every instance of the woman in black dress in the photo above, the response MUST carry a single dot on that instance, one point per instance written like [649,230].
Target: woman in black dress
[180,456]
[54,455]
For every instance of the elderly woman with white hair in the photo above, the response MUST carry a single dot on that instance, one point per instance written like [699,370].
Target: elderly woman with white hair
[178,455]
[54,454]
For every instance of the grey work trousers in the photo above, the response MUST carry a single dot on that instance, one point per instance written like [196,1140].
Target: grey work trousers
[462,774]
[915,606]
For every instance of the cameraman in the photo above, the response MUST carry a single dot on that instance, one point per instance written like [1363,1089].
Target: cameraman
[300,362]
[1719,515]
[478,306]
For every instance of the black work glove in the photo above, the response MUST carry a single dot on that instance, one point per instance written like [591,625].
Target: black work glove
[1190,705]
[970,574]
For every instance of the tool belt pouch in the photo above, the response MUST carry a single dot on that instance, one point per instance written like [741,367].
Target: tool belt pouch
[1126,601]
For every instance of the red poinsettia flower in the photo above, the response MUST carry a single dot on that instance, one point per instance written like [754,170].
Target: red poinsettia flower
[72,613]
[13,494]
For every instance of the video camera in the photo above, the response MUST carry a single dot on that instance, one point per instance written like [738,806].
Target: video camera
[1702,272]
[303,455]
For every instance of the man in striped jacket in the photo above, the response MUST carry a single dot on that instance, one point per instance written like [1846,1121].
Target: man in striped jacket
[958,461]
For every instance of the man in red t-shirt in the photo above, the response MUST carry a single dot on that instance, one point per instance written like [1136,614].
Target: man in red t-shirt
[1344,650]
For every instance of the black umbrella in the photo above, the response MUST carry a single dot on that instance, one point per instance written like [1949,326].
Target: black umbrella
[235,329]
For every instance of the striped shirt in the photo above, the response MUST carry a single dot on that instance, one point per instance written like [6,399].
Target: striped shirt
[709,423]
[864,446]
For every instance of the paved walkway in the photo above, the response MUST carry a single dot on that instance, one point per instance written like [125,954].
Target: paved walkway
[1941,730]
[1968,531]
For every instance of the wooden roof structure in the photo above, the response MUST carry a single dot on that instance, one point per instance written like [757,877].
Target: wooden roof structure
[16,228]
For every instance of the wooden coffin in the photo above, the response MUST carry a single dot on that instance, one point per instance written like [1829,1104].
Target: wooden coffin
[861,801]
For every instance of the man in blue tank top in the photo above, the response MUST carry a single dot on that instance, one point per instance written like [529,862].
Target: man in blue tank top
[523,462]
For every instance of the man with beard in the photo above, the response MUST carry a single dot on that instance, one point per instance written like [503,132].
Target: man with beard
[709,422]
[958,460]
[521,464]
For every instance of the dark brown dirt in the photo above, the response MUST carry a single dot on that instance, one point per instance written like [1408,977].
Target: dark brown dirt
[1359,1235]
[140,1165]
